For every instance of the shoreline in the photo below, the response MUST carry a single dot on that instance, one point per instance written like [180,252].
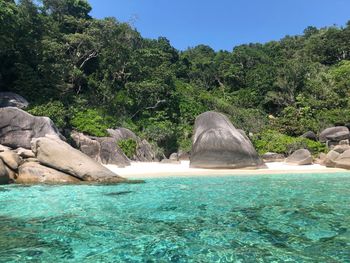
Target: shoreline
[139,170]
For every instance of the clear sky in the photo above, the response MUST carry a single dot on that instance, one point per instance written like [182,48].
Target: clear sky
[223,24]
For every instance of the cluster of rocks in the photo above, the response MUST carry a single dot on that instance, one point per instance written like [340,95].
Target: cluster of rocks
[33,151]
[106,150]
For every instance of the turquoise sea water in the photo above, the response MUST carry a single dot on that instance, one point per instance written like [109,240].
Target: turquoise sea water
[272,218]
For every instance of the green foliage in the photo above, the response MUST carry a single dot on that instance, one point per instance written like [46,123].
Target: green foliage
[272,141]
[54,54]
[128,146]
[55,110]
[92,122]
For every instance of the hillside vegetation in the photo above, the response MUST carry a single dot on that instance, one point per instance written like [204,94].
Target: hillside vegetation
[91,74]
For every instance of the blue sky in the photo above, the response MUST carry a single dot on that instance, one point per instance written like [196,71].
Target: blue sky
[223,24]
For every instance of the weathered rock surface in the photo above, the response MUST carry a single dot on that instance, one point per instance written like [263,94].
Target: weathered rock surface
[11,159]
[300,157]
[4,176]
[341,148]
[343,160]
[33,173]
[111,153]
[102,149]
[335,134]
[218,144]
[273,157]
[10,99]
[4,148]
[330,158]
[61,156]
[18,128]
[310,135]
[144,151]
[25,153]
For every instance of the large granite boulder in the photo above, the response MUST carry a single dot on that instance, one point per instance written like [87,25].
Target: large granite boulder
[300,157]
[335,134]
[104,149]
[218,144]
[4,176]
[10,99]
[61,156]
[310,135]
[11,159]
[18,128]
[144,151]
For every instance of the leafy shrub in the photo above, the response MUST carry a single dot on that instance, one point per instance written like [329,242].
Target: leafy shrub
[273,141]
[128,146]
[55,110]
[92,122]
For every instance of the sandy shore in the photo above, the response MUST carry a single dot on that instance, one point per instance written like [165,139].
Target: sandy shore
[156,170]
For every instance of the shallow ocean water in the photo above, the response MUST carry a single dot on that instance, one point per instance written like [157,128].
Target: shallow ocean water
[270,218]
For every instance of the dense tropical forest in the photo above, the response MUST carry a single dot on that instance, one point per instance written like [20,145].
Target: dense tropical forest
[91,74]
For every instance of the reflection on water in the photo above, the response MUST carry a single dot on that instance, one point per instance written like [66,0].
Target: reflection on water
[281,218]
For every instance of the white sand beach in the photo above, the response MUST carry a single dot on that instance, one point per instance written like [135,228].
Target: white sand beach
[139,170]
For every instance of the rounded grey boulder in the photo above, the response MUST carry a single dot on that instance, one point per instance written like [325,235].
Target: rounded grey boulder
[218,144]
[335,134]
[300,157]
[10,99]
[18,128]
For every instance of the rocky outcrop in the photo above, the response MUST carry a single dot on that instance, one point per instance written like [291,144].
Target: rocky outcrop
[300,157]
[18,128]
[273,157]
[35,173]
[218,144]
[144,151]
[334,134]
[104,150]
[10,99]
[62,157]
[310,135]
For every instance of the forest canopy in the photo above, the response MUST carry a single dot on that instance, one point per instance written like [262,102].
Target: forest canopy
[91,74]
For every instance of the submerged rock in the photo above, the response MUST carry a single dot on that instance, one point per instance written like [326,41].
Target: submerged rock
[10,99]
[218,144]
[300,157]
[18,128]
[61,156]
